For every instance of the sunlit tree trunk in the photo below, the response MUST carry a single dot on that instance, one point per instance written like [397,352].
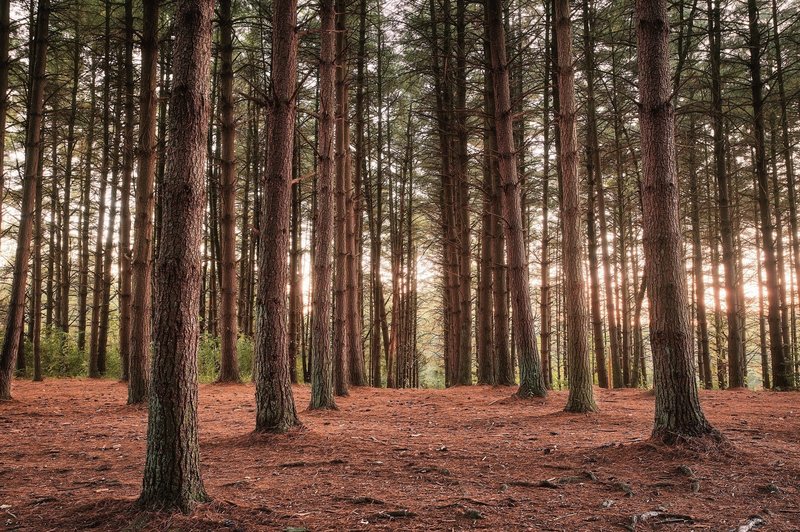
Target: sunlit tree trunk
[321,360]
[172,466]
[580,373]
[275,408]
[99,259]
[531,380]
[145,201]
[228,326]
[677,414]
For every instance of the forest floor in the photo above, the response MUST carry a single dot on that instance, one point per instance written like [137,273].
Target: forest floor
[72,454]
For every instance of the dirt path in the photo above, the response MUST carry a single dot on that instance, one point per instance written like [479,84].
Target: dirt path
[71,457]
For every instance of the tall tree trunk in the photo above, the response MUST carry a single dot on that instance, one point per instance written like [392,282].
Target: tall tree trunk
[341,299]
[781,372]
[735,341]
[703,354]
[596,193]
[531,381]
[545,313]
[786,152]
[485,353]
[275,408]
[321,361]
[295,269]
[36,289]
[461,201]
[66,205]
[124,246]
[678,414]
[141,311]
[355,227]
[579,368]
[228,326]
[33,146]
[97,279]
[172,469]
[86,191]
[779,252]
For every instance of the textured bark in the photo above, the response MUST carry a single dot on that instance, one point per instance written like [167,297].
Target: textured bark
[145,203]
[321,360]
[172,468]
[33,146]
[531,381]
[581,397]
[355,279]
[341,299]
[735,340]
[502,352]
[678,414]
[275,408]
[228,326]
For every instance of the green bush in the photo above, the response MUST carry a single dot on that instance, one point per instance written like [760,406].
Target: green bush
[60,355]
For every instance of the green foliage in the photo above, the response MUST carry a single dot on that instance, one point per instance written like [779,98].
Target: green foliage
[208,357]
[60,355]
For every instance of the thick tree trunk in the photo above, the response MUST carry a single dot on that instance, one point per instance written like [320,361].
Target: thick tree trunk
[275,408]
[145,203]
[33,146]
[172,469]
[581,398]
[228,326]
[321,361]
[678,414]
[531,381]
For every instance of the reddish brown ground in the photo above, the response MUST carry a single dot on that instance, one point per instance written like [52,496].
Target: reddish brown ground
[71,455]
